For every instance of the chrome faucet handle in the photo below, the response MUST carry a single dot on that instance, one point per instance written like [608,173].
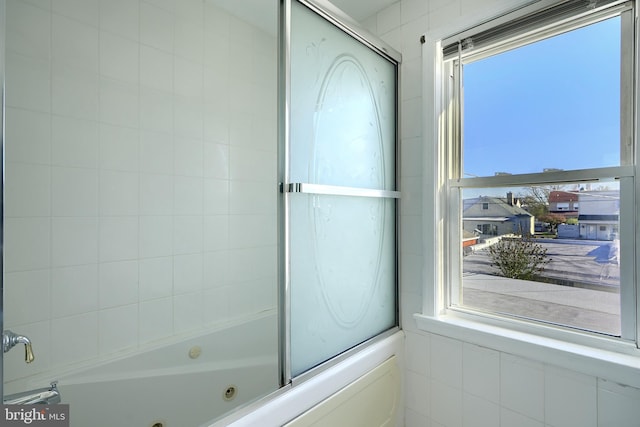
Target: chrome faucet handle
[10,339]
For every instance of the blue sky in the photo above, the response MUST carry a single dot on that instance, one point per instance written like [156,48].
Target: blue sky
[552,104]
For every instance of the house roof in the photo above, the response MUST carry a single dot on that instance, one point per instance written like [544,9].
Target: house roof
[562,196]
[499,208]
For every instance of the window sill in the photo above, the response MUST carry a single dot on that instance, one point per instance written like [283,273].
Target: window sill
[619,362]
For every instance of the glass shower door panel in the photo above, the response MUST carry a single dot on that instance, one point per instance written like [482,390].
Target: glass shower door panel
[342,215]
[343,274]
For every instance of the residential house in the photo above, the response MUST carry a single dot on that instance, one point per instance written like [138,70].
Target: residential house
[495,216]
[599,214]
[564,203]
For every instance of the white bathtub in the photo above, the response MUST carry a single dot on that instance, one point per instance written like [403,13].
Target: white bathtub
[290,402]
[166,387]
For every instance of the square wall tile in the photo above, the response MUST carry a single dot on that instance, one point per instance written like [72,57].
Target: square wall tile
[247,231]
[188,196]
[156,110]
[75,92]
[215,269]
[187,274]
[156,319]
[156,236]
[446,360]
[118,329]
[74,290]
[478,412]
[189,37]
[27,190]
[74,43]
[119,148]
[187,312]
[571,399]
[118,238]
[188,116]
[417,353]
[510,418]
[263,262]
[216,161]
[119,102]
[156,278]
[121,17]
[118,283]
[481,372]
[119,58]
[252,198]
[415,419]
[44,4]
[411,153]
[411,120]
[74,191]
[74,241]
[252,165]
[411,201]
[27,243]
[156,68]
[417,393]
[411,234]
[411,274]
[188,78]
[188,157]
[156,194]
[446,404]
[74,339]
[27,136]
[216,196]
[28,31]
[410,34]
[522,386]
[156,152]
[156,27]
[187,234]
[412,9]
[27,82]
[74,142]
[216,305]
[617,405]
[118,193]
[389,18]
[27,289]
[216,122]
[85,11]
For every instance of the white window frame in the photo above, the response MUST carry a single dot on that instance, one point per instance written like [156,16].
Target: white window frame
[441,220]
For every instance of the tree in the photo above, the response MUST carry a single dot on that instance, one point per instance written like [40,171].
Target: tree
[553,219]
[519,257]
[535,199]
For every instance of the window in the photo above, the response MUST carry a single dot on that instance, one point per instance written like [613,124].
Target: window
[548,92]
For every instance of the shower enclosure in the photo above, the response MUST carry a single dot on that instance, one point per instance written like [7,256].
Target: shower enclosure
[192,187]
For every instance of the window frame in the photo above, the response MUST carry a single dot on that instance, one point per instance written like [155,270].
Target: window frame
[449,181]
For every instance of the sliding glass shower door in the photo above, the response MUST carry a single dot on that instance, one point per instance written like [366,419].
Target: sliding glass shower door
[340,190]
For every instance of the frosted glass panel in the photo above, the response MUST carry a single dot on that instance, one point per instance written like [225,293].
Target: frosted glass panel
[342,108]
[342,274]
[342,248]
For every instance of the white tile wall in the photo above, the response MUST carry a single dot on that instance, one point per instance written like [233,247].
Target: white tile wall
[126,208]
[453,383]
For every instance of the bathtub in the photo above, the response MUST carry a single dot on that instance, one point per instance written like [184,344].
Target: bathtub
[183,384]
[298,401]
